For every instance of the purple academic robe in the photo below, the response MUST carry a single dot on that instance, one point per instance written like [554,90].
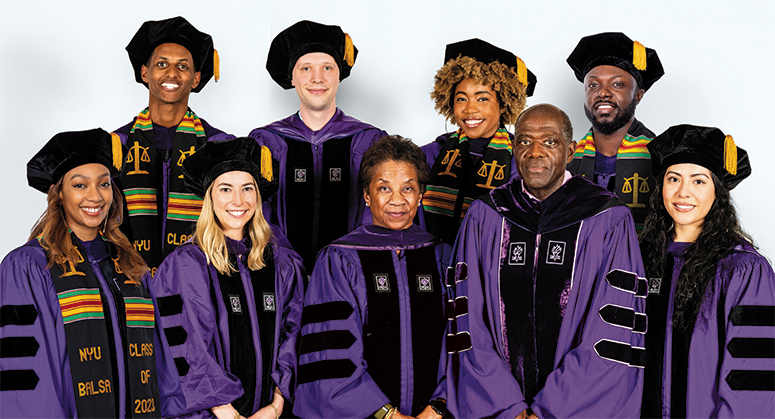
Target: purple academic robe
[25,282]
[319,198]
[549,307]
[184,285]
[373,325]
[729,370]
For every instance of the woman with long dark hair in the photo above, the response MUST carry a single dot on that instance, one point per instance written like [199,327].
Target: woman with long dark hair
[711,294]
[78,333]
[230,298]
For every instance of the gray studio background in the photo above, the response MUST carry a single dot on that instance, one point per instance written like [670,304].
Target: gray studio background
[63,67]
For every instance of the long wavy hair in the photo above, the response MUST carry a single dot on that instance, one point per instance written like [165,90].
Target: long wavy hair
[210,238]
[54,235]
[720,233]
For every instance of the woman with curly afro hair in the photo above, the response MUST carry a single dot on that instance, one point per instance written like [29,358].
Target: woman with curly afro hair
[481,88]
[711,321]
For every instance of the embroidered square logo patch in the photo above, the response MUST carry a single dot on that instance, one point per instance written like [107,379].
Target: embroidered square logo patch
[236,304]
[555,252]
[381,282]
[300,175]
[269,302]
[335,174]
[424,283]
[655,284]
[517,253]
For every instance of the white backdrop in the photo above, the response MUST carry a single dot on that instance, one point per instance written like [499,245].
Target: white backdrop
[63,67]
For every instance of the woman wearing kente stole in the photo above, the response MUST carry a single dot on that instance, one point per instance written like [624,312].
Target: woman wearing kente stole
[481,88]
[78,335]
[230,298]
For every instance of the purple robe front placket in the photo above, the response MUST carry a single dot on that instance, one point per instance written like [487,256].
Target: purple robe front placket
[730,369]
[597,369]
[339,288]
[25,282]
[206,378]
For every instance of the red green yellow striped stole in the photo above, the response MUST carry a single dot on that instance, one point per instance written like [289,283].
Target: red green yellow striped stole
[630,148]
[80,304]
[139,312]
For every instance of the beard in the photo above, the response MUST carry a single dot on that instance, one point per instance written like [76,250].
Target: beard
[608,128]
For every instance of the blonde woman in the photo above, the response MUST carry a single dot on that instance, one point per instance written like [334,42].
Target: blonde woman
[230,299]
[78,330]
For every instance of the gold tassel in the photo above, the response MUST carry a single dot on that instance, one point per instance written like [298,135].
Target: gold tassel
[266,163]
[216,65]
[521,72]
[349,50]
[730,155]
[118,155]
[639,56]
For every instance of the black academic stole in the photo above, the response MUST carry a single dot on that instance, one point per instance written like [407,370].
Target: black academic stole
[242,357]
[317,200]
[143,186]
[457,179]
[382,343]
[89,337]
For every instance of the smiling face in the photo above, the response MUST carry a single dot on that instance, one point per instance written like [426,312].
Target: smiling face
[611,95]
[688,193]
[86,195]
[235,197]
[316,80]
[476,109]
[393,195]
[170,74]
[541,152]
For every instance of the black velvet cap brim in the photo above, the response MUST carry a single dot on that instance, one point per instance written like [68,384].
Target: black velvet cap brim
[218,157]
[302,38]
[616,49]
[68,150]
[703,146]
[176,30]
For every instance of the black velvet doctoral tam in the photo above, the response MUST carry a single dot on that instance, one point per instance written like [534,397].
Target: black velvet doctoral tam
[704,146]
[68,150]
[240,154]
[174,30]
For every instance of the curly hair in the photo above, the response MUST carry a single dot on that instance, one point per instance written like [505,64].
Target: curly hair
[395,148]
[55,236]
[721,232]
[502,79]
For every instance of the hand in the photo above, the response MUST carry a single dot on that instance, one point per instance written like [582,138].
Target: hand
[522,415]
[267,412]
[225,411]
[398,415]
[533,416]
[428,413]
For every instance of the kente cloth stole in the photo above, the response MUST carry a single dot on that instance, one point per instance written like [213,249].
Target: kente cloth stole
[142,185]
[457,179]
[634,182]
[89,338]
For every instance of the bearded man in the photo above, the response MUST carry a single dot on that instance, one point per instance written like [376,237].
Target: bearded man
[616,73]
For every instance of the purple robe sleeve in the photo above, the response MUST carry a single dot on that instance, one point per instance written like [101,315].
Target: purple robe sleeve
[751,285]
[204,380]
[337,277]
[479,382]
[27,292]
[173,401]
[290,279]
[584,382]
